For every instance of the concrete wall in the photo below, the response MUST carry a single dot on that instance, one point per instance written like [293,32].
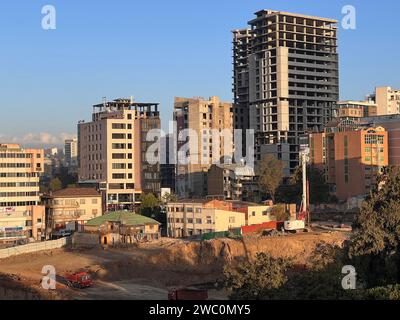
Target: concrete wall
[33,247]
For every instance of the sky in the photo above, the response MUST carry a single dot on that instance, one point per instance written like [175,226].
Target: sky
[155,50]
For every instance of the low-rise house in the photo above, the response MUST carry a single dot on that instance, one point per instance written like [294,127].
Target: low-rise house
[188,218]
[123,227]
[71,208]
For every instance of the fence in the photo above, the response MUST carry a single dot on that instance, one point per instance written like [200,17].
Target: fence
[33,247]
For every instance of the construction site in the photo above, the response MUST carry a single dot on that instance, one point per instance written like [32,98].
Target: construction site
[148,271]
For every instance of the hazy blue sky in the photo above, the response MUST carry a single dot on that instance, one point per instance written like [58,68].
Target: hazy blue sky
[155,50]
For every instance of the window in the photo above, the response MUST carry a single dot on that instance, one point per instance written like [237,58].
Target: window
[231,219]
[94,201]
[118,176]
[198,221]
[94,212]
[82,201]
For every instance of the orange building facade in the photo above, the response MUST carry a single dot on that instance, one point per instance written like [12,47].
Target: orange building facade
[351,158]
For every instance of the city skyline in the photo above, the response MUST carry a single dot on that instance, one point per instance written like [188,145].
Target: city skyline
[73,67]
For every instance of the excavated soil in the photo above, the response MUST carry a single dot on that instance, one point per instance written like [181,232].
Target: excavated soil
[148,270]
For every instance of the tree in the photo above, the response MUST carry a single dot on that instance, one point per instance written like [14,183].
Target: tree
[292,191]
[169,197]
[280,213]
[55,184]
[149,204]
[256,279]
[375,244]
[270,174]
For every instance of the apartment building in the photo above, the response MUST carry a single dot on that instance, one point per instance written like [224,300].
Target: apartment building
[71,152]
[387,100]
[211,122]
[71,208]
[355,110]
[21,215]
[112,152]
[285,81]
[195,217]
[351,155]
[391,123]
[233,182]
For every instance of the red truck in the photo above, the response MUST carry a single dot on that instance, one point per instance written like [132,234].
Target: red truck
[78,280]
[187,294]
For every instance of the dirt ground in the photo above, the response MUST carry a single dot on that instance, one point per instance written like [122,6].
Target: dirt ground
[147,272]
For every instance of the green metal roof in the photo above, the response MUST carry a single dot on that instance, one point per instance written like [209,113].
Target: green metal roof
[126,218]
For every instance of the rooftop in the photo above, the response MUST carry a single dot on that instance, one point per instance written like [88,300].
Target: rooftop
[76,192]
[126,218]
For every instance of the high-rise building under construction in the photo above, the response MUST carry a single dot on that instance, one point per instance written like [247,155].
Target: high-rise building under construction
[286,80]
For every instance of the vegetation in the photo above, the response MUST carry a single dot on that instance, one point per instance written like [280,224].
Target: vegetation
[257,279]
[373,249]
[280,213]
[55,184]
[270,174]
[319,190]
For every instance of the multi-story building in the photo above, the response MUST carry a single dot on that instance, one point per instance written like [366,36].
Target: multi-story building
[71,208]
[211,123]
[21,215]
[391,123]
[112,151]
[168,163]
[387,100]
[286,80]
[71,152]
[355,110]
[195,217]
[233,182]
[351,155]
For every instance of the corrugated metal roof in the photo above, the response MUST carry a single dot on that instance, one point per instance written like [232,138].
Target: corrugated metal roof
[126,218]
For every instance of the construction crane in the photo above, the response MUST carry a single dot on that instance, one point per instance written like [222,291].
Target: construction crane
[303,215]
[304,212]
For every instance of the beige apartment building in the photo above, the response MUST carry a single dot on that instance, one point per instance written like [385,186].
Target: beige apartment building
[212,122]
[21,215]
[355,110]
[187,218]
[112,151]
[233,182]
[388,100]
[71,208]
[285,80]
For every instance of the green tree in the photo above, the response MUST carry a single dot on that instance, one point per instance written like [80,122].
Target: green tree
[280,213]
[375,244]
[258,279]
[291,192]
[270,174]
[169,197]
[149,206]
[55,184]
